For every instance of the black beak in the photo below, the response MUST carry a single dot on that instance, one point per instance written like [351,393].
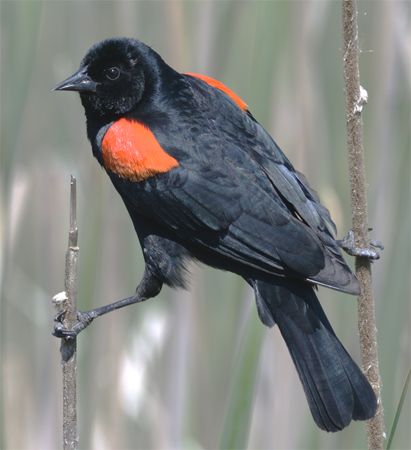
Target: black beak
[79,82]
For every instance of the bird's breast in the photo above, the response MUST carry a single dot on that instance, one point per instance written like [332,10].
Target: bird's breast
[131,151]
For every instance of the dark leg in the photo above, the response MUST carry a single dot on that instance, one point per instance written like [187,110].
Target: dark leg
[149,287]
[348,245]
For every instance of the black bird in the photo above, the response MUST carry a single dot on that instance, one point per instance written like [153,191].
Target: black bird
[202,180]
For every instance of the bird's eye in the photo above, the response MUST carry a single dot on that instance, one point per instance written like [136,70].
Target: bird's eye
[113,73]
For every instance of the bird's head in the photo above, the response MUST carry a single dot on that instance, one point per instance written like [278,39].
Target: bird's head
[114,76]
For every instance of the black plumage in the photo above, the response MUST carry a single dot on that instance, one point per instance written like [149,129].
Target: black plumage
[233,201]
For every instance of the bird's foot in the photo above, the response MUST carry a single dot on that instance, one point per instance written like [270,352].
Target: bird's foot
[348,245]
[84,320]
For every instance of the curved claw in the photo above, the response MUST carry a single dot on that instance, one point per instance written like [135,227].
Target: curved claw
[60,332]
[348,245]
[59,316]
[375,243]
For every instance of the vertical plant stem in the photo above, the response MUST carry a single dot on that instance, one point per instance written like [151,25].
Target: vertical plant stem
[68,347]
[355,98]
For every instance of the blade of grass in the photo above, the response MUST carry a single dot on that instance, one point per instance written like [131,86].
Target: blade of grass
[399,408]
[237,421]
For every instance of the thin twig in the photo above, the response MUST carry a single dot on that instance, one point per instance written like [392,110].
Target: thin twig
[68,347]
[355,98]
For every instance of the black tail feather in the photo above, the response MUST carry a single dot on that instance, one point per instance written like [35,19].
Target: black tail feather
[336,389]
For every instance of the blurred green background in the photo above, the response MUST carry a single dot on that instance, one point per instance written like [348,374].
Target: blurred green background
[157,375]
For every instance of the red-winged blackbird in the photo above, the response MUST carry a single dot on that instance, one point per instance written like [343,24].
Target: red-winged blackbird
[201,179]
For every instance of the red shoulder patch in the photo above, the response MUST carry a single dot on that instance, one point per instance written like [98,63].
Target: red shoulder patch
[131,151]
[222,87]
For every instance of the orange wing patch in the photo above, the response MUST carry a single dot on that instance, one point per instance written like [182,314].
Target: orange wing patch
[222,87]
[131,151]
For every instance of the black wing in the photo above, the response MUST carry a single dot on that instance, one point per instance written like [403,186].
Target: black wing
[236,194]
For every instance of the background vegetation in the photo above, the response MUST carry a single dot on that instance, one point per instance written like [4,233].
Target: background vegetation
[157,375]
